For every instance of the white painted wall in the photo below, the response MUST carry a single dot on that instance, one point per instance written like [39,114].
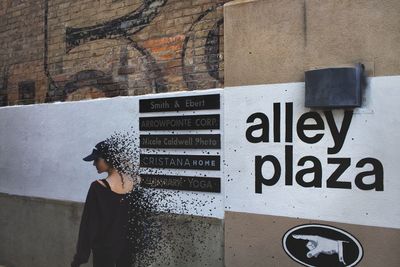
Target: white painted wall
[42,146]
[374,132]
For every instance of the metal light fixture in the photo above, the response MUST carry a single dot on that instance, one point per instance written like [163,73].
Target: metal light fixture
[339,87]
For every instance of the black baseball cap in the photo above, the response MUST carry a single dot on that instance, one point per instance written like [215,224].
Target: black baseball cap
[100,150]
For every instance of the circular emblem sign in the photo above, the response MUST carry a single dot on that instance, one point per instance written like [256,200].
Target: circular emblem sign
[322,245]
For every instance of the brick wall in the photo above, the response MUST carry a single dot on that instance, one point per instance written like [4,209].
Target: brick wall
[67,50]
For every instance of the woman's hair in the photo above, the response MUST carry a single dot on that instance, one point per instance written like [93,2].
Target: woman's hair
[120,152]
[113,163]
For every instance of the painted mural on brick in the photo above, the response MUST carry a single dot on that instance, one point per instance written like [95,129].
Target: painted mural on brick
[73,51]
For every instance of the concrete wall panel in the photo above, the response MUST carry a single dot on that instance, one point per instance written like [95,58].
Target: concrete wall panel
[39,232]
[276,41]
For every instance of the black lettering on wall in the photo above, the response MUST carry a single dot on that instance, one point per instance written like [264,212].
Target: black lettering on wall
[263,126]
[289,165]
[289,123]
[338,135]
[277,122]
[260,179]
[302,126]
[316,169]
[377,171]
[332,181]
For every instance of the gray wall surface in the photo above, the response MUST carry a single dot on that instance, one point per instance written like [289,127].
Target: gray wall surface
[38,232]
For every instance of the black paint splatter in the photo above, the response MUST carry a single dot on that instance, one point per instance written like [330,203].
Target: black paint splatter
[156,234]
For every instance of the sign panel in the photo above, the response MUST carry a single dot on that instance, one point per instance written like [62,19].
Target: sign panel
[194,162]
[190,122]
[287,160]
[307,186]
[190,183]
[196,141]
[322,245]
[206,142]
[197,102]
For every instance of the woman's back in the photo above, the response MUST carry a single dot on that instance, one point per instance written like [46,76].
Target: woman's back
[104,221]
[117,188]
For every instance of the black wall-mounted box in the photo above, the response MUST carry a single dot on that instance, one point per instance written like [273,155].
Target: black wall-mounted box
[334,87]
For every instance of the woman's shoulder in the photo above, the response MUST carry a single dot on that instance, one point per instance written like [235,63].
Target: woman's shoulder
[95,188]
[96,184]
[99,182]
